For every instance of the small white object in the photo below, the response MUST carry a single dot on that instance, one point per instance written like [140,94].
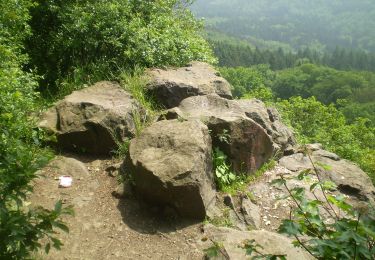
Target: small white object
[65,181]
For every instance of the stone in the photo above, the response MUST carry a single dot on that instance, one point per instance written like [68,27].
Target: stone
[245,142]
[251,213]
[271,243]
[171,162]
[68,166]
[171,86]
[270,120]
[94,119]
[348,177]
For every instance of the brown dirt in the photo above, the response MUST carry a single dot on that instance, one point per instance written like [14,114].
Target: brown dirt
[106,226]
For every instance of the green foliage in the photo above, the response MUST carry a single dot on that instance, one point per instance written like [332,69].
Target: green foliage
[135,83]
[311,120]
[104,37]
[247,80]
[213,251]
[350,234]
[221,221]
[223,174]
[251,248]
[327,84]
[21,229]
[314,122]
[297,24]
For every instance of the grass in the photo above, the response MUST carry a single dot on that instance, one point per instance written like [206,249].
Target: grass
[242,181]
[221,221]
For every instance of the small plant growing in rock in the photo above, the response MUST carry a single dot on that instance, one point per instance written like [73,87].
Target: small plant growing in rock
[123,148]
[251,247]
[347,234]
[224,137]
[221,221]
[216,250]
[223,174]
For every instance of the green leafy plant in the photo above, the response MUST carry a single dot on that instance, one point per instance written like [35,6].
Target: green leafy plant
[350,233]
[123,148]
[224,137]
[77,39]
[221,221]
[216,250]
[223,174]
[251,248]
[21,228]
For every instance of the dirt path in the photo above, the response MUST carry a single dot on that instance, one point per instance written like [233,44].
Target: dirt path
[106,226]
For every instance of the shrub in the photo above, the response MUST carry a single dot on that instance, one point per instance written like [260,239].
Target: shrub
[20,155]
[348,234]
[104,36]
[314,122]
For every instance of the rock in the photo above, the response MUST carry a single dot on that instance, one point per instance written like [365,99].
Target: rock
[172,165]
[251,213]
[228,201]
[271,243]
[171,86]
[68,166]
[314,147]
[92,119]
[269,119]
[245,142]
[348,177]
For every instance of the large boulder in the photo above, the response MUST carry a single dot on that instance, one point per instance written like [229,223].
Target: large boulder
[233,241]
[172,165]
[171,86]
[93,119]
[244,141]
[348,177]
[270,120]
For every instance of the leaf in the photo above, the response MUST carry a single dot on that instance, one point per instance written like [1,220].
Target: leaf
[278,182]
[313,186]
[56,243]
[303,174]
[58,206]
[324,166]
[61,226]
[47,248]
[289,227]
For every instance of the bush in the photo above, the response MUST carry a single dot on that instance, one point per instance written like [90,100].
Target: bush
[348,234]
[103,36]
[247,80]
[20,154]
[314,122]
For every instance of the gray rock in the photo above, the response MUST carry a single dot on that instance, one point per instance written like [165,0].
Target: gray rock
[92,119]
[348,177]
[270,120]
[271,243]
[245,142]
[172,165]
[171,86]
[68,166]
[251,213]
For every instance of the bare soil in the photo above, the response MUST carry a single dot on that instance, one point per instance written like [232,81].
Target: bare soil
[110,225]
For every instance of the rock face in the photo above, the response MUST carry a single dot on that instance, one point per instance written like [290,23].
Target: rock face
[269,119]
[172,86]
[348,177]
[271,243]
[172,165]
[93,119]
[252,135]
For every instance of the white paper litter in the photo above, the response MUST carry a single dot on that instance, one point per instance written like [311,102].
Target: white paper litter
[65,181]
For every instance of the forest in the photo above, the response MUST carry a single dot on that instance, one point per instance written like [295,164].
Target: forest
[320,25]
[323,82]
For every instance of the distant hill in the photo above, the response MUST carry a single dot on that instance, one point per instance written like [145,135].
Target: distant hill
[319,24]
